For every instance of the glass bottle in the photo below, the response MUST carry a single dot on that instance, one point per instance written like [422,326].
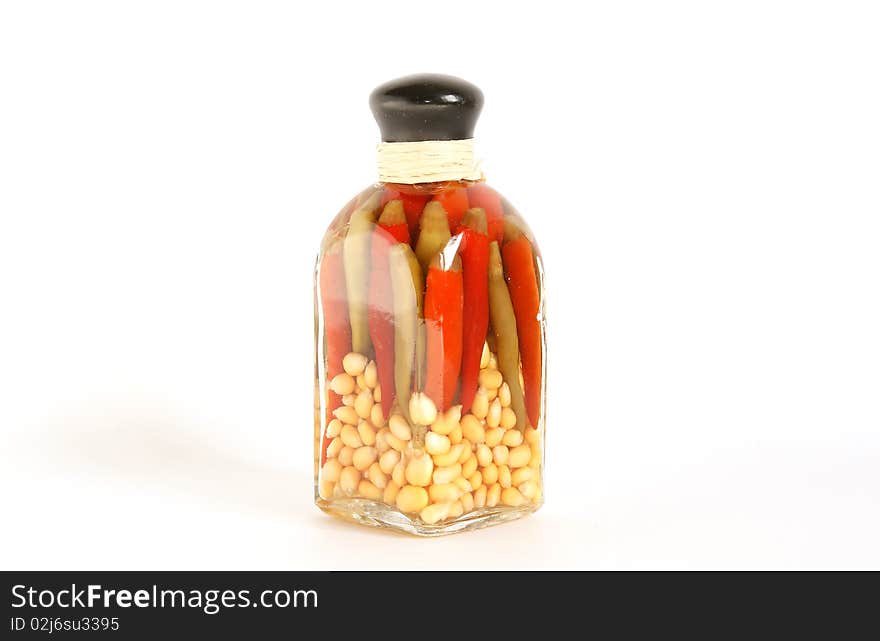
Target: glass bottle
[430,339]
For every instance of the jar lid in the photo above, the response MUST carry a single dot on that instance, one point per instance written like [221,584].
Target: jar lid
[426,107]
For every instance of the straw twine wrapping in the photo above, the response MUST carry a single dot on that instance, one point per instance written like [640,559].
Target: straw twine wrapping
[427,161]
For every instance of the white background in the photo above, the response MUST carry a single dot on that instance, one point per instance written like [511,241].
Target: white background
[704,180]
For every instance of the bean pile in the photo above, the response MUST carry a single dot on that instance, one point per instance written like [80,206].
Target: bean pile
[452,466]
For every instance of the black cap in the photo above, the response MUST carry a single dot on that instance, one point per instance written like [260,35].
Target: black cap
[426,106]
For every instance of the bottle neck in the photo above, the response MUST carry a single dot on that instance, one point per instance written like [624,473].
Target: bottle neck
[427,161]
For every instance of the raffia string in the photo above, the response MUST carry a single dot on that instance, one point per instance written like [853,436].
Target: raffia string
[427,161]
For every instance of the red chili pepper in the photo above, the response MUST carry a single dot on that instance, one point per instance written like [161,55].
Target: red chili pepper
[455,202]
[519,265]
[475,267]
[483,196]
[391,229]
[443,325]
[337,332]
[413,204]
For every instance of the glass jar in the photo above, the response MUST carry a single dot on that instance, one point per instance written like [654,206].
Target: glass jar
[430,341]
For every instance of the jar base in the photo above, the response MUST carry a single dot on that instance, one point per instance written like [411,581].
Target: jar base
[381,515]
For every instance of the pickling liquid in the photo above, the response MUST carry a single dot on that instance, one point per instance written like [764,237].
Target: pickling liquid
[430,360]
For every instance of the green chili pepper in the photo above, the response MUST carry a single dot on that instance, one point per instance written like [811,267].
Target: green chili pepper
[406,287]
[356,253]
[504,327]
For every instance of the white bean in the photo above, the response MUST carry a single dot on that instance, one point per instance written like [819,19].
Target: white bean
[493,418]
[377,476]
[346,455]
[419,470]
[532,437]
[504,395]
[382,440]
[504,476]
[370,375]
[349,480]
[452,456]
[363,404]
[447,474]
[398,474]
[335,447]
[490,379]
[448,422]
[390,494]
[364,457]
[367,433]
[376,417]
[484,356]
[508,419]
[528,489]
[521,475]
[346,414]
[472,429]
[350,436]
[453,414]
[411,499]
[422,409]
[520,456]
[354,363]
[494,436]
[480,406]
[437,443]
[325,489]
[333,428]
[512,497]
[434,513]
[511,438]
[368,490]
[331,470]
[399,427]
[535,461]
[388,460]
[444,493]
[493,495]
[469,466]
[395,442]
[342,384]
[480,496]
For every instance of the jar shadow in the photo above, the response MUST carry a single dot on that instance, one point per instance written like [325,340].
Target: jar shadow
[150,450]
